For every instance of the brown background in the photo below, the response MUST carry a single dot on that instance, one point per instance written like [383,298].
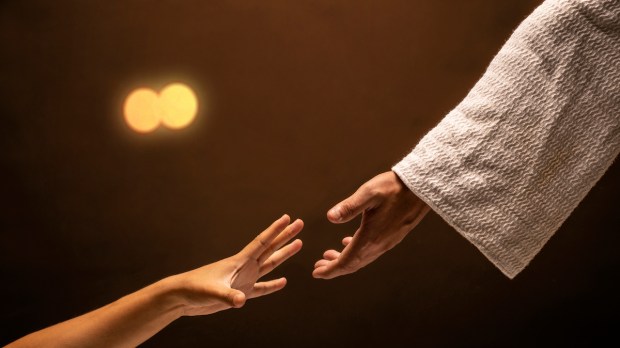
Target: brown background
[301,102]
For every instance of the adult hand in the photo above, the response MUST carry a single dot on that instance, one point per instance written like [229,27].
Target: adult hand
[389,212]
[230,282]
[134,318]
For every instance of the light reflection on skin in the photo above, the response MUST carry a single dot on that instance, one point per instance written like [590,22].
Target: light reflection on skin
[175,107]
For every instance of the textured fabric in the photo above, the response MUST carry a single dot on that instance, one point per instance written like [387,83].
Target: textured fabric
[536,132]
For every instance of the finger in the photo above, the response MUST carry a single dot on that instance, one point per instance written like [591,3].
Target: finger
[263,240]
[280,256]
[351,207]
[321,263]
[354,256]
[266,288]
[346,241]
[330,255]
[320,272]
[330,270]
[231,297]
[289,232]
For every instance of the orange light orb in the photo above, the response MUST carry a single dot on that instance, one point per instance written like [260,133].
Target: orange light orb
[178,105]
[175,107]
[142,110]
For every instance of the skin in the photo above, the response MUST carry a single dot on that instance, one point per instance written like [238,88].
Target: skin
[389,212]
[225,284]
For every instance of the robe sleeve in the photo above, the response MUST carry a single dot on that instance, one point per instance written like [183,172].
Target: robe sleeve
[509,164]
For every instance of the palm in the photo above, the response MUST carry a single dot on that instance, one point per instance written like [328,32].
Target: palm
[245,277]
[209,285]
[389,212]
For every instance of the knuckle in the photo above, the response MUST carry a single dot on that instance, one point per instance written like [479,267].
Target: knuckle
[347,208]
[260,241]
[379,192]
[375,191]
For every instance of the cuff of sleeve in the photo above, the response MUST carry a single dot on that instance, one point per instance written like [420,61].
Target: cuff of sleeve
[423,186]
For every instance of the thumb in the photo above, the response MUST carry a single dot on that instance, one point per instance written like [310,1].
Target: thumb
[232,297]
[351,207]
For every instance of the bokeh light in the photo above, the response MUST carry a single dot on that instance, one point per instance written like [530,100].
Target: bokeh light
[175,107]
[178,105]
[141,109]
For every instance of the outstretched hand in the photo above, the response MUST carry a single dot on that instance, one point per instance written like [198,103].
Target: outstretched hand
[389,212]
[134,318]
[231,281]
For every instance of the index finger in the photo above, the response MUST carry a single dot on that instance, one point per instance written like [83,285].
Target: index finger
[263,240]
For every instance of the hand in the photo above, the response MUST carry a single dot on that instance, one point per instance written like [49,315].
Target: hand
[134,318]
[389,212]
[230,282]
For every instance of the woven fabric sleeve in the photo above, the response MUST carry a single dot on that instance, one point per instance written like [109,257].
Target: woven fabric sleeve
[509,164]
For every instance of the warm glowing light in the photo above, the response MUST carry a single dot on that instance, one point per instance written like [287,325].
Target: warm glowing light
[175,107]
[178,105]
[142,110]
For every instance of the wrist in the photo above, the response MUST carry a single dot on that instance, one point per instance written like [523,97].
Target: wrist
[169,296]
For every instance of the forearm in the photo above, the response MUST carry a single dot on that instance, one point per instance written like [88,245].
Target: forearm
[126,322]
[209,289]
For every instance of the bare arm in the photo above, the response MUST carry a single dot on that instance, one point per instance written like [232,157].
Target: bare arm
[225,284]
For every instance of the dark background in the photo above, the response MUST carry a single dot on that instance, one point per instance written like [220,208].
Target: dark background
[301,102]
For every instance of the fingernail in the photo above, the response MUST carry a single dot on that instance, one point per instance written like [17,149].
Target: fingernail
[335,213]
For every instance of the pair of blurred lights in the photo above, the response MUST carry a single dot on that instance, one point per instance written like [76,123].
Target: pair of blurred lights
[174,107]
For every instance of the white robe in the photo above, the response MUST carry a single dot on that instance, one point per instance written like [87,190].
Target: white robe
[509,164]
